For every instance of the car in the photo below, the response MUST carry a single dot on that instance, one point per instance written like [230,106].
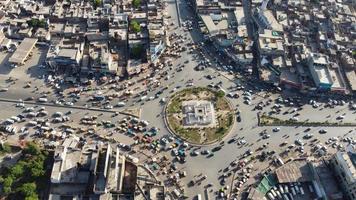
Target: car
[266,136]
[4,89]
[216,148]
[322,131]
[121,104]
[205,152]
[247,102]
[307,130]
[283,143]
[194,153]
[232,140]
[209,77]
[210,155]
[308,136]
[340,117]
[68,103]
[164,141]
[276,129]
[299,142]
[42,100]
[238,118]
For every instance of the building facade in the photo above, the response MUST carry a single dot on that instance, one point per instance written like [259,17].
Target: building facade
[344,165]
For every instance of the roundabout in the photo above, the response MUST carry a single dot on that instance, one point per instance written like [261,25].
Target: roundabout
[199,115]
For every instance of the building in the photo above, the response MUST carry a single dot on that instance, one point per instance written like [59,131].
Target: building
[318,66]
[65,59]
[23,51]
[198,114]
[314,178]
[96,171]
[344,165]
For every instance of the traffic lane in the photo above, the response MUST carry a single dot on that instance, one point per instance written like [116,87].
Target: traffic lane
[231,152]
[74,121]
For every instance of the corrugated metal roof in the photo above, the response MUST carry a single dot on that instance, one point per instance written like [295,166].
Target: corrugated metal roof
[294,171]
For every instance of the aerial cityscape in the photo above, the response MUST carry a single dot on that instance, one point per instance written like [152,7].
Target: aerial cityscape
[178,99]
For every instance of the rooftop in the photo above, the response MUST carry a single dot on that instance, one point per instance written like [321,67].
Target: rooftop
[294,171]
[198,113]
[23,50]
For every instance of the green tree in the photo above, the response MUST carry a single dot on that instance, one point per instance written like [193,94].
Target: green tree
[36,169]
[136,51]
[7,183]
[32,149]
[220,94]
[96,3]
[33,197]
[135,26]
[6,148]
[28,189]
[17,171]
[136,3]
[37,23]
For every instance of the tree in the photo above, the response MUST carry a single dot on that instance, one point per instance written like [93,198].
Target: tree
[37,23]
[5,148]
[136,3]
[220,94]
[96,3]
[36,169]
[136,51]
[135,26]
[28,190]
[33,197]
[32,149]
[17,170]
[7,183]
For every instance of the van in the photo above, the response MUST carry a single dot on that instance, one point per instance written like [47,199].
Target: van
[270,196]
[199,197]
[32,123]
[286,189]
[143,98]
[281,189]
[9,121]
[121,104]
[16,119]
[42,100]
[293,191]
[311,188]
[301,190]
[285,197]
[279,194]
[176,193]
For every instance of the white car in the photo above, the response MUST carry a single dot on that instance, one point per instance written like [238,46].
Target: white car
[121,104]
[13,65]
[42,100]
[108,107]
[4,89]
[69,103]
[294,119]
